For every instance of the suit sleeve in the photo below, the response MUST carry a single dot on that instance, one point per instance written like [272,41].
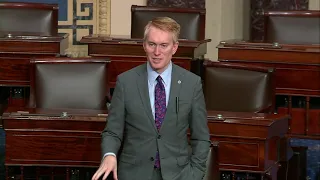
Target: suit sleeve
[112,134]
[200,138]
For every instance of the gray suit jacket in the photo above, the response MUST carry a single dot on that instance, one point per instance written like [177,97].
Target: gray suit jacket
[132,135]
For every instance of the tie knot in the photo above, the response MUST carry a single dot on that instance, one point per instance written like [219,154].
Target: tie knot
[159,79]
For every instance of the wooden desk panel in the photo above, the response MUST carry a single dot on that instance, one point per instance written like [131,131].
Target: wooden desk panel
[19,47]
[14,71]
[61,147]
[249,142]
[261,52]
[43,137]
[33,45]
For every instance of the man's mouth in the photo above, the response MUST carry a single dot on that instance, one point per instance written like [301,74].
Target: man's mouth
[156,60]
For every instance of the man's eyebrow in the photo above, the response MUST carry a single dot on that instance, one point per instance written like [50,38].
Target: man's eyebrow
[156,43]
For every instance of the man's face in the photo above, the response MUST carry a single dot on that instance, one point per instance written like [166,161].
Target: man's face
[159,48]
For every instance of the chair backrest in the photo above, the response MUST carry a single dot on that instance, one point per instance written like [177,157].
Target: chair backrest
[192,21]
[29,18]
[292,27]
[212,171]
[69,83]
[233,87]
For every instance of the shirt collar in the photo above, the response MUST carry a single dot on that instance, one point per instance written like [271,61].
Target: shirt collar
[165,75]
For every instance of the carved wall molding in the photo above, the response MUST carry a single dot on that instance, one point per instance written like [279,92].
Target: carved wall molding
[104,17]
[85,17]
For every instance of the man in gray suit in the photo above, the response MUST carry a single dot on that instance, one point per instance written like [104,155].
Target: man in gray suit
[153,108]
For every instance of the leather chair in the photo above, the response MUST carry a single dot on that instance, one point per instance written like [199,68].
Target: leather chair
[192,21]
[292,27]
[71,83]
[238,88]
[19,18]
[3,107]
[212,171]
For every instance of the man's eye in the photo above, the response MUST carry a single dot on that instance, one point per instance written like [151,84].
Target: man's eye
[164,45]
[151,44]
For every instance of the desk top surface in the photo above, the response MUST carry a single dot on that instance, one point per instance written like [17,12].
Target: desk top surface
[257,119]
[31,36]
[55,114]
[126,39]
[245,118]
[270,46]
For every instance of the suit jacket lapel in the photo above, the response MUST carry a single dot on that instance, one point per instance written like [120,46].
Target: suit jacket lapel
[144,93]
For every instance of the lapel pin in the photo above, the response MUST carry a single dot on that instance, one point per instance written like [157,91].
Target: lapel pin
[179,82]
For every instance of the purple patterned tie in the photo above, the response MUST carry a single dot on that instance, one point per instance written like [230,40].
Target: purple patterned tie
[160,109]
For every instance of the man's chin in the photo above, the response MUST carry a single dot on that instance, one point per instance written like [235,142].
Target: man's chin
[157,68]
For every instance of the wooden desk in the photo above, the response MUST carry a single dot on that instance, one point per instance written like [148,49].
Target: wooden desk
[16,52]
[297,74]
[126,53]
[44,137]
[248,142]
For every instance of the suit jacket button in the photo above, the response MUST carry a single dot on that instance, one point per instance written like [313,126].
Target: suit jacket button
[151,159]
[159,136]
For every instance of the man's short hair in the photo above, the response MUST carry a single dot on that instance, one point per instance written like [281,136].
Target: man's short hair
[165,24]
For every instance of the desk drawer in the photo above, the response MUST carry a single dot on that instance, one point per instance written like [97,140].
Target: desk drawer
[241,154]
[53,148]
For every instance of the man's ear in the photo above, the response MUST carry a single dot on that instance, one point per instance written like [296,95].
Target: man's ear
[175,47]
[144,45]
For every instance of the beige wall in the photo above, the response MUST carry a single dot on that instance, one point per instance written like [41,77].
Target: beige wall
[226,19]
[314,4]
[121,15]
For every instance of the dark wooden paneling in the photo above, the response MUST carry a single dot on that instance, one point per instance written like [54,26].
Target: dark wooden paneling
[242,148]
[14,71]
[29,148]
[29,47]
[178,3]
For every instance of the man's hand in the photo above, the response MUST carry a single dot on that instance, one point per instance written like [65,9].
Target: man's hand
[109,164]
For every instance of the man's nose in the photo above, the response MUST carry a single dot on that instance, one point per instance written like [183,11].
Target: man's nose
[156,50]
